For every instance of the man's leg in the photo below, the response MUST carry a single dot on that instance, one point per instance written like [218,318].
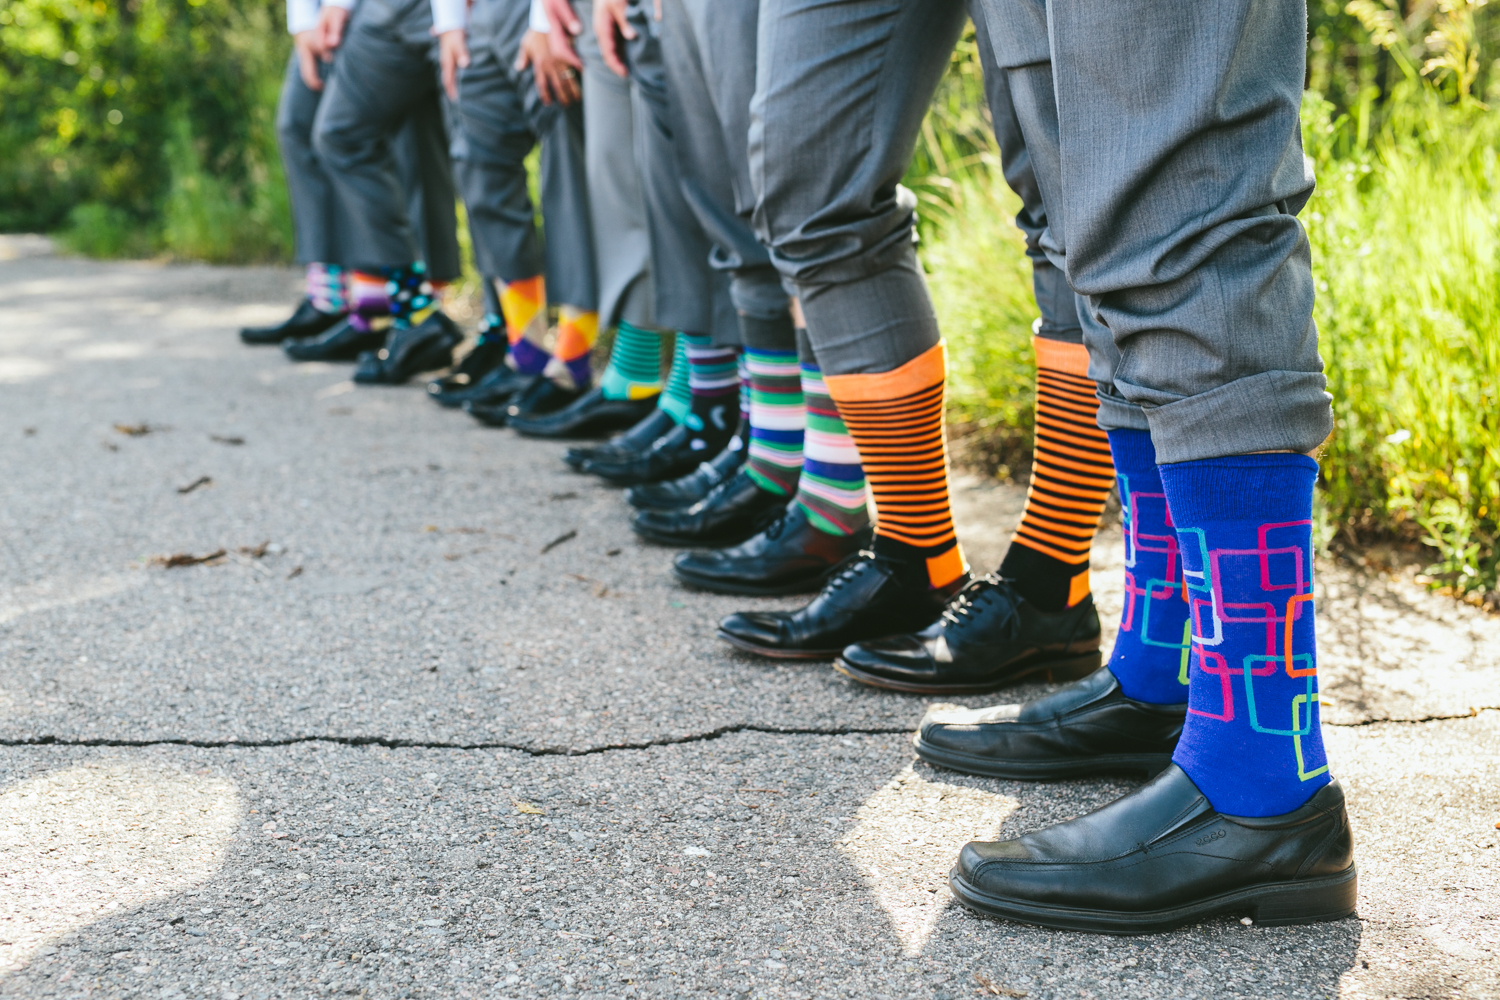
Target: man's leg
[325,299]
[840,94]
[1197,272]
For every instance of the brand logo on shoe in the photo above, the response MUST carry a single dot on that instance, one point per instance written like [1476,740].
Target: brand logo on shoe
[1209,838]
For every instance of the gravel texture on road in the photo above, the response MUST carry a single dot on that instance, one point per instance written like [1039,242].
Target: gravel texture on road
[386,746]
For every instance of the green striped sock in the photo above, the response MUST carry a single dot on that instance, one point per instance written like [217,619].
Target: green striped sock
[634,370]
[832,486]
[677,397]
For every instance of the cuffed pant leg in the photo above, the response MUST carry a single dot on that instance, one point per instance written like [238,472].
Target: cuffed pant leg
[616,202]
[377,83]
[841,89]
[313,212]
[492,170]
[1201,274]
[571,276]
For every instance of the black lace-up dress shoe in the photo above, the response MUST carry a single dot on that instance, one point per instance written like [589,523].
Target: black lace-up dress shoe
[1088,727]
[868,597]
[542,397]
[684,491]
[1161,857]
[494,410]
[307,321]
[789,557]
[344,341]
[495,389]
[988,637]
[668,457]
[732,512]
[458,386]
[409,351]
[634,441]
[586,415]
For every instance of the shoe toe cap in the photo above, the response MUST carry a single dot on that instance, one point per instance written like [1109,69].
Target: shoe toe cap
[759,627]
[894,656]
[983,860]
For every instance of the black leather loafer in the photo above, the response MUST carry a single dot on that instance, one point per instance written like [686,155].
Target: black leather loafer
[789,557]
[988,637]
[344,341]
[458,386]
[732,512]
[684,491]
[496,388]
[410,350]
[586,415]
[668,457]
[1088,727]
[870,596]
[307,321]
[1161,857]
[634,441]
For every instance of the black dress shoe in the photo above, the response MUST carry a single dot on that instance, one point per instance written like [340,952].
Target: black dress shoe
[589,414]
[458,386]
[1161,857]
[669,456]
[870,596]
[1088,727]
[988,637]
[307,321]
[733,511]
[410,350]
[789,557]
[496,389]
[494,410]
[684,491]
[344,341]
[634,441]
[542,397]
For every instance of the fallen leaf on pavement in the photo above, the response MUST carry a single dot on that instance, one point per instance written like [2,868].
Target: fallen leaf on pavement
[134,430]
[296,572]
[566,536]
[255,551]
[185,559]
[221,439]
[525,807]
[200,481]
[994,988]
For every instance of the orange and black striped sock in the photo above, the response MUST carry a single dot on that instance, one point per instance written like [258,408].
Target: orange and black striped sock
[896,421]
[1071,474]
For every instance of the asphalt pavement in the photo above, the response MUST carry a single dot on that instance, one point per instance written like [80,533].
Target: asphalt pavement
[436,725]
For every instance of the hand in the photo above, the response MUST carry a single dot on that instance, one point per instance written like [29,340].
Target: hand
[565,26]
[555,80]
[453,55]
[330,29]
[309,47]
[610,25]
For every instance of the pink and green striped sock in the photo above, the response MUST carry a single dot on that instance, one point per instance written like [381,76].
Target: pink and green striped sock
[832,486]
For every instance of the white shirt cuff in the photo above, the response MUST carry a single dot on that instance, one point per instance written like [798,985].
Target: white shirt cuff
[539,22]
[449,15]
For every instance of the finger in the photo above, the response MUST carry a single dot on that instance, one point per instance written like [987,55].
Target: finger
[523,60]
[543,87]
[623,23]
[562,49]
[450,77]
[573,94]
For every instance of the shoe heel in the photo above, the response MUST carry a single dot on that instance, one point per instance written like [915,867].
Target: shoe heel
[1311,902]
[1073,669]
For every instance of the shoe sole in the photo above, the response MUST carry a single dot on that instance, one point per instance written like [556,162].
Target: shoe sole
[1271,904]
[778,654]
[429,358]
[715,586]
[720,541]
[1030,770]
[1055,671]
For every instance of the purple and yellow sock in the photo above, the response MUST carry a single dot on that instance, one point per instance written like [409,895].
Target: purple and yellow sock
[1251,741]
[777,420]
[577,329]
[523,303]
[831,489]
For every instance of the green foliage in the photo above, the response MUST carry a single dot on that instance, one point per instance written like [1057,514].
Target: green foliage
[1405,232]
[133,111]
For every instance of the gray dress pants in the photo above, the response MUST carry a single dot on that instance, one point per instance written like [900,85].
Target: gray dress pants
[321,232]
[841,90]
[1168,154]
[386,73]
[690,295]
[500,120]
[708,51]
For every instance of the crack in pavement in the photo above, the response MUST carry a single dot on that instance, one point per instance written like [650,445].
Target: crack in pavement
[403,744]
[393,743]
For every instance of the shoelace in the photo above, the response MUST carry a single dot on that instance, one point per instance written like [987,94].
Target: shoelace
[978,596]
[851,567]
